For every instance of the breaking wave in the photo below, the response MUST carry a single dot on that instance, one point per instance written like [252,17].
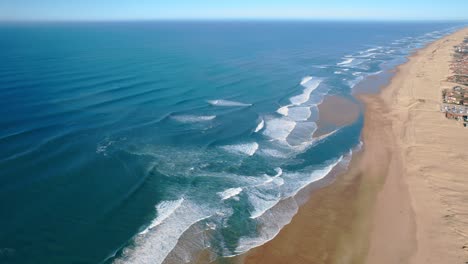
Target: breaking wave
[232,174]
[260,126]
[295,128]
[154,245]
[193,118]
[346,62]
[247,149]
[279,128]
[164,210]
[310,86]
[274,211]
[226,103]
[229,193]
[306,80]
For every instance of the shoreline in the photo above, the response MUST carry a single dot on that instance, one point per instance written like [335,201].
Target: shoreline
[420,213]
[373,206]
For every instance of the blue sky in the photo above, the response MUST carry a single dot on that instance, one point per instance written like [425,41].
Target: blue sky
[233,9]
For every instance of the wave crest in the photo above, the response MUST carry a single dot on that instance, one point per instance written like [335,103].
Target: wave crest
[193,118]
[247,148]
[221,102]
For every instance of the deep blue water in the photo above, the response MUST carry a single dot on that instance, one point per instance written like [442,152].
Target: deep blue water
[139,142]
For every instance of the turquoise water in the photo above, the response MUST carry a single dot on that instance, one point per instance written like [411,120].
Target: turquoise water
[145,142]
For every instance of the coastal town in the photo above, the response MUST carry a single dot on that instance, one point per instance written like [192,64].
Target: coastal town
[455,98]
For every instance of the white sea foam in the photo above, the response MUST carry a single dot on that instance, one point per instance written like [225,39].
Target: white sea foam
[269,179]
[247,148]
[301,136]
[211,226]
[278,128]
[274,153]
[360,76]
[320,66]
[221,102]
[157,243]
[164,210]
[354,82]
[284,110]
[300,180]
[262,201]
[294,121]
[229,193]
[193,118]
[279,172]
[345,62]
[306,80]
[278,181]
[310,86]
[359,146]
[296,181]
[260,126]
[299,113]
[367,55]
[371,49]
[271,222]
[273,212]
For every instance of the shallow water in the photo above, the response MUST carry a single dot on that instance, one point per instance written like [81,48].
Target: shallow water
[140,142]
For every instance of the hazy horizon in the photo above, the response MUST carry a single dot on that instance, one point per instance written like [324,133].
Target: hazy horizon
[144,10]
[234,20]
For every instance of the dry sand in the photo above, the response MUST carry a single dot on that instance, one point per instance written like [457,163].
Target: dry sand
[429,224]
[405,197]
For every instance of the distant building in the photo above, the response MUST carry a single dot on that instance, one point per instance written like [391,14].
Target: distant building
[455,99]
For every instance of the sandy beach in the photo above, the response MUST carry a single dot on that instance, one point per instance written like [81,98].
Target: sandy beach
[404,198]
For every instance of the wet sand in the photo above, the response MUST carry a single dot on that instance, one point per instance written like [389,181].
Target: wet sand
[404,198]
[329,121]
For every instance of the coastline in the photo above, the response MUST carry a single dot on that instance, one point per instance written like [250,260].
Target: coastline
[401,200]
[420,215]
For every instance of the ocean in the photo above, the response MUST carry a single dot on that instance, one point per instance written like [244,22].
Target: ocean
[150,142]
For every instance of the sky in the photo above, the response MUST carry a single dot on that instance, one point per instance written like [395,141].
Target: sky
[18,10]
